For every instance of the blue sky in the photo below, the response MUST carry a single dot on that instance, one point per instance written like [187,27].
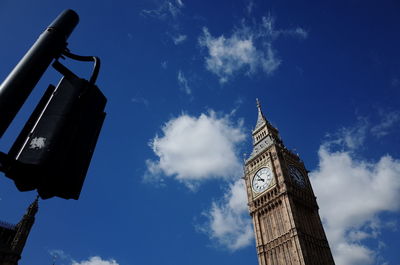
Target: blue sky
[181,78]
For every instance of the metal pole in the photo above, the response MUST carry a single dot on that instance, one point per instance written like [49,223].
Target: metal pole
[20,82]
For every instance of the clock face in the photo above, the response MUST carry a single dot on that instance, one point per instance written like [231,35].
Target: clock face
[296,176]
[262,179]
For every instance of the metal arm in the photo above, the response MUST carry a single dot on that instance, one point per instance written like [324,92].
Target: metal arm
[96,66]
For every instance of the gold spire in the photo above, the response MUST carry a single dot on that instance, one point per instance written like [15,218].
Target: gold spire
[261,119]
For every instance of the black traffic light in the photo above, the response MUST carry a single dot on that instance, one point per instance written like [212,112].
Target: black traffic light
[54,149]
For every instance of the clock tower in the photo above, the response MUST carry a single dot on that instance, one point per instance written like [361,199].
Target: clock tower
[282,204]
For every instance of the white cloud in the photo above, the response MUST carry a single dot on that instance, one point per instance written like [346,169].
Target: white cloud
[165,10]
[193,149]
[140,100]
[352,193]
[246,50]
[302,33]
[96,260]
[174,9]
[268,30]
[351,137]
[179,3]
[183,83]
[354,137]
[179,39]
[227,56]
[388,122]
[58,254]
[250,7]
[228,222]
[169,12]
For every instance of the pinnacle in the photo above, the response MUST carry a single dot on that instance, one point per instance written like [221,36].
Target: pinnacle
[33,208]
[261,119]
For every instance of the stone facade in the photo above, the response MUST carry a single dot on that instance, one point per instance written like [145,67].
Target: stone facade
[13,237]
[287,226]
